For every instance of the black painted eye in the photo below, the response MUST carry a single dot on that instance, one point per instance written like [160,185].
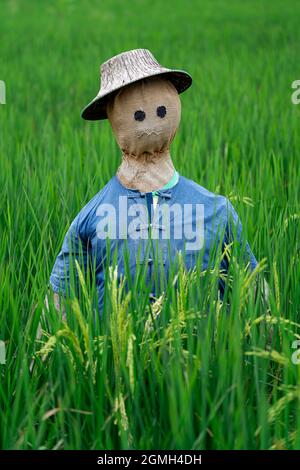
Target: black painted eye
[139,115]
[161,111]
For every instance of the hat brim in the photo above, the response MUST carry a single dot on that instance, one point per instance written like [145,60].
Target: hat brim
[96,109]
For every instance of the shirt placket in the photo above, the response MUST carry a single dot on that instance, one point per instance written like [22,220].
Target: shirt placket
[149,251]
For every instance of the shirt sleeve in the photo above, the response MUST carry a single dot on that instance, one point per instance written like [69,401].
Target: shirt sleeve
[64,273]
[234,231]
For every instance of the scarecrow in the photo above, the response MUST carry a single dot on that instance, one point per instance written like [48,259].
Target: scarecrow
[140,98]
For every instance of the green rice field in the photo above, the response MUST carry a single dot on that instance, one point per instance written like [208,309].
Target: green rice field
[188,371]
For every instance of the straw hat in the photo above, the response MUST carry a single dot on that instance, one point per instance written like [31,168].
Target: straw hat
[126,68]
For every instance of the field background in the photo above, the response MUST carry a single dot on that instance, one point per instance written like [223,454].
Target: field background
[191,380]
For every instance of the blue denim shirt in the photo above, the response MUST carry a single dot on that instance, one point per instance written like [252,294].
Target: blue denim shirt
[192,209]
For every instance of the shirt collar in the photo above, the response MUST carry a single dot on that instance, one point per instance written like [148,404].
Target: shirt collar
[164,193]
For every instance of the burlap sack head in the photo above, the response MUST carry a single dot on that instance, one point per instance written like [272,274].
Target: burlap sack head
[144,117]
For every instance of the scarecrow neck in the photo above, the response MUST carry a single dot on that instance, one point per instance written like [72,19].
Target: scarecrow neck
[147,172]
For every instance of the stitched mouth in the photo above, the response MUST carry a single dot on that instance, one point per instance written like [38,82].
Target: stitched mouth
[142,133]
